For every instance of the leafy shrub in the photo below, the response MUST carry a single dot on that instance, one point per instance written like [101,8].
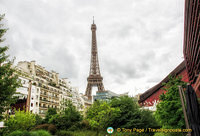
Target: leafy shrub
[40,133]
[16,133]
[69,117]
[4,131]
[21,121]
[92,133]
[19,133]
[48,127]
[122,112]
[75,127]
[52,129]
[131,134]
[100,114]
[148,119]
[64,133]
[32,133]
[38,120]
[169,111]
[85,124]
[169,134]
[161,134]
[49,114]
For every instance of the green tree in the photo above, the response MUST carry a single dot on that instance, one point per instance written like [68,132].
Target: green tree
[21,121]
[8,80]
[38,120]
[68,118]
[122,112]
[169,111]
[131,116]
[100,114]
[49,114]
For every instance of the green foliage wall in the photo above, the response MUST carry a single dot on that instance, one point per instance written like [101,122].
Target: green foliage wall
[169,111]
[21,121]
[32,133]
[100,114]
[51,112]
[122,112]
[69,118]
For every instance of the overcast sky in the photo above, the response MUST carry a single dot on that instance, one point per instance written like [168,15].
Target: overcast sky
[139,41]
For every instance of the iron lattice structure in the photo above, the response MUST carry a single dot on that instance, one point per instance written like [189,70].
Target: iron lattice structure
[95,78]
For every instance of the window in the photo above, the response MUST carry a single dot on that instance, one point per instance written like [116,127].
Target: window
[31,104]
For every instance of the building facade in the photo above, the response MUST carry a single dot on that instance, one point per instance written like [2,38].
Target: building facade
[48,90]
[191,44]
[22,94]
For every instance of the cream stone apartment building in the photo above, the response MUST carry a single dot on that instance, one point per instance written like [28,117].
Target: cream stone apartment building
[47,88]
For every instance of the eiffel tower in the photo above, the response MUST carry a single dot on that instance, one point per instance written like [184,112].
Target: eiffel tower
[95,78]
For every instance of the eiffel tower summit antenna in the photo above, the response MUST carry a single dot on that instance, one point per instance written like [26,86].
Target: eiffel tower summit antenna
[95,78]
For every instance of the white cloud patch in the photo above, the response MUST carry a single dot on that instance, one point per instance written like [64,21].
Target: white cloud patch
[139,41]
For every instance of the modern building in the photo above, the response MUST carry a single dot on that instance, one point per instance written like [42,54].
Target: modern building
[48,90]
[104,95]
[151,97]
[191,43]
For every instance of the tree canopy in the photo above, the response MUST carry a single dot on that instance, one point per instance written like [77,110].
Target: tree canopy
[8,80]
[49,114]
[100,114]
[169,111]
[122,112]
[22,120]
[68,118]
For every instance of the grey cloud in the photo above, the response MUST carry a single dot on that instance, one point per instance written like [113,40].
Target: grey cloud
[154,80]
[133,37]
[122,70]
[62,61]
